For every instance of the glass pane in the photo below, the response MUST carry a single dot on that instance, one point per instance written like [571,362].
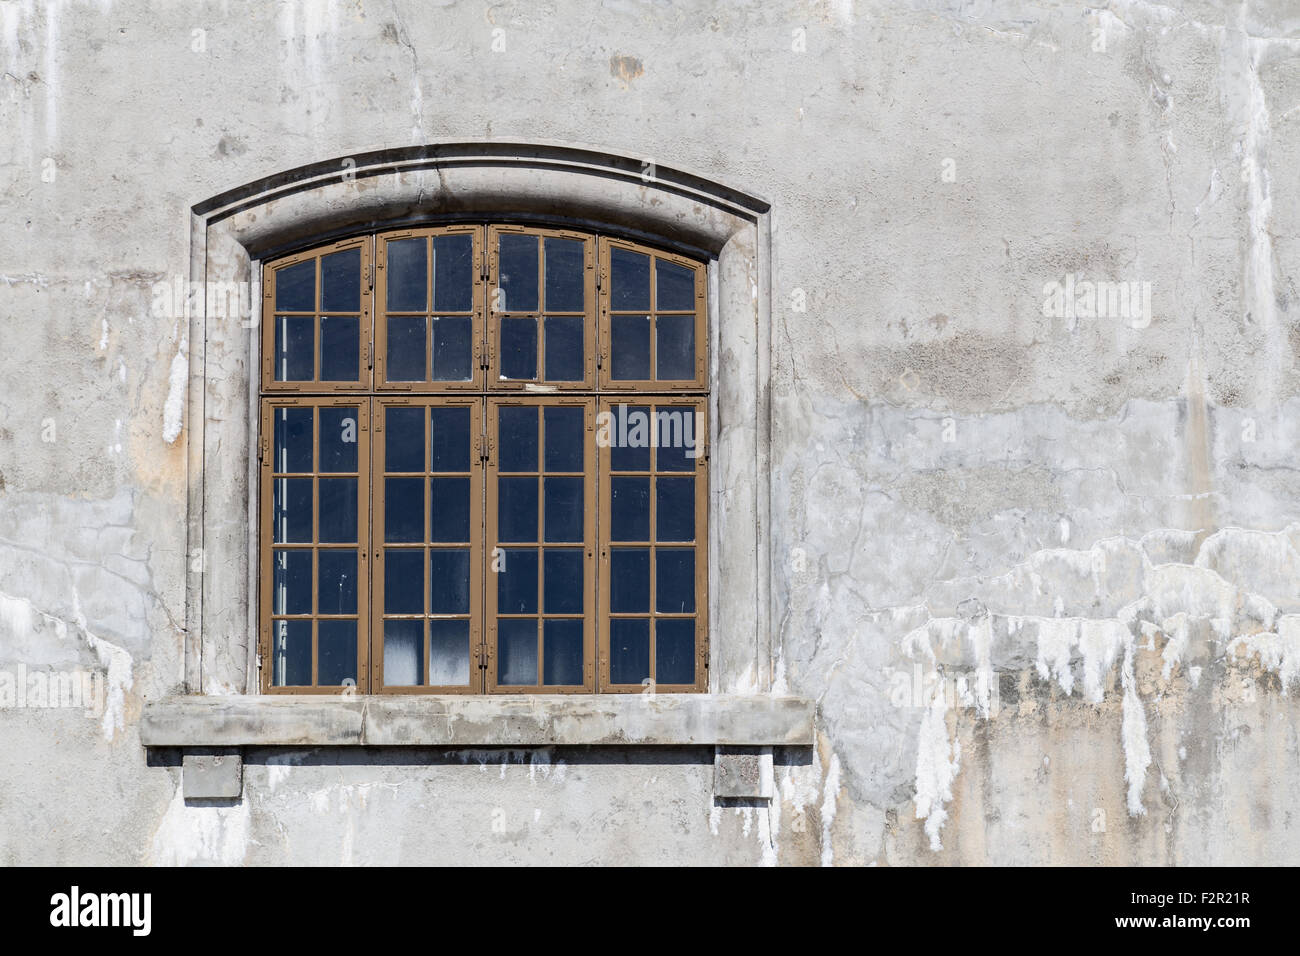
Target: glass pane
[675,650]
[408,275]
[562,581]
[516,651]
[338,438]
[629,650]
[562,652]
[291,653]
[675,509]
[678,441]
[450,439]
[517,509]
[675,347]
[292,439]
[564,437]
[341,281]
[404,439]
[407,361]
[516,570]
[448,581]
[629,500]
[295,287]
[630,347]
[675,580]
[403,509]
[674,287]
[453,348]
[629,581]
[453,273]
[518,348]
[564,359]
[403,581]
[338,510]
[403,653]
[291,510]
[340,344]
[337,654]
[295,337]
[630,289]
[562,520]
[291,582]
[518,274]
[449,507]
[336,591]
[448,653]
[564,268]
[629,438]
[517,437]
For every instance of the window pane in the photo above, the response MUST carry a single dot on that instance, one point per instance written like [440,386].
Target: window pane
[291,582]
[564,505]
[675,650]
[564,268]
[291,510]
[675,509]
[338,438]
[629,581]
[407,360]
[295,337]
[674,287]
[295,287]
[562,581]
[341,281]
[404,439]
[449,504]
[517,581]
[453,348]
[516,651]
[630,288]
[292,439]
[448,653]
[403,509]
[450,439]
[518,274]
[630,347]
[675,580]
[336,591]
[517,509]
[629,650]
[564,359]
[291,653]
[337,654]
[517,437]
[403,581]
[403,653]
[564,426]
[340,344]
[448,581]
[629,500]
[630,438]
[518,348]
[338,510]
[407,275]
[675,347]
[453,273]
[562,652]
[678,442]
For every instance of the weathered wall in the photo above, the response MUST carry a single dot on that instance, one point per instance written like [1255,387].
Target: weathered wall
[1083,529]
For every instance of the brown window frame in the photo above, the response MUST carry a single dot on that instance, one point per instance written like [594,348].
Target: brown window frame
[484,393]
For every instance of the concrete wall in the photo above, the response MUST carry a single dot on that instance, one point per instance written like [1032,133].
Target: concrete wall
[1081,530]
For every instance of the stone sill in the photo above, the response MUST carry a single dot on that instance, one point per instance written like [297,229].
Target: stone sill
[479,721]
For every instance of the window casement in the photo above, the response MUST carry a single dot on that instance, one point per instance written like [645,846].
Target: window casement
[482,465]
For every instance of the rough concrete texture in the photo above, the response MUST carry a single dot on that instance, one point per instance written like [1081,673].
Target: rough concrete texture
[1039,571]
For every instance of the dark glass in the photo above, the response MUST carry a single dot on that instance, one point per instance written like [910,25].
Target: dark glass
[517,509]
[517,437]
[629,580]
[291,582]
[629,500]
[564,359]
[564,275]
[563,505]
[403,653]
[675,650]
[336,590]
[564,437]
[675,509]
[630,288]
[336,653]
[518,274]
[403,581]
[450,438]
[630,347]
[291,510]
[517,581]
[407,344]
[516,651]
[291,653]
[674,287]
[518,348]
[453,348]
[448,653]
[403,509]
[678,441]
[453,273]
[448,581]
[675,580]
[339,427]
[449,509]
[629,650]
[408,275]
[295,287]
[562,581]
[292,440]
[295,337]
[630,438]
[675,347]
[338,510]
[340,344]
[404,439]
[562,652]
[341,281]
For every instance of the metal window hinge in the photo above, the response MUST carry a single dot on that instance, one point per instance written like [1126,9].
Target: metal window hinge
[483,656]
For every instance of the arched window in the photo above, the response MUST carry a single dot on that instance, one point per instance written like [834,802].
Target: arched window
[482,464]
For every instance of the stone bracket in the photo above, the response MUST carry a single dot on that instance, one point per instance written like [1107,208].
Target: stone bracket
[212,773]
[743,773]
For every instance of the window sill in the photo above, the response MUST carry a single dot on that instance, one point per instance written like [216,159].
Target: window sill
[461,721]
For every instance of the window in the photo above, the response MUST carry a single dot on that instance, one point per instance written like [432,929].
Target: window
[482,465]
